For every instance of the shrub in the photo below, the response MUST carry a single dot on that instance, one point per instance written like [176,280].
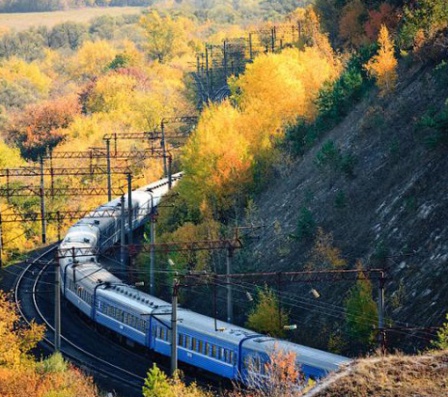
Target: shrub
[330,156]
[442,336]
[437,127]
[340,200]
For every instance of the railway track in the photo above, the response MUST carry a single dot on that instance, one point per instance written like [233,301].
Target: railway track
[112,366]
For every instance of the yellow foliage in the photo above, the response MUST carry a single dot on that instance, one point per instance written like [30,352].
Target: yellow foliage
[383,66]
[231,32]
[112,93]
[216,155]
[268,317]
[14,69]
[14,235]
[323,253]
[286,84]
[134,57]
[9,157]
[228,141]
[188,232]
[92,59]
[167,37]
[16,340]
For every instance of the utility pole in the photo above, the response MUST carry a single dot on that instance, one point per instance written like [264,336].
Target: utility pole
[57,307]
[162,144]
[224,50]
[381,335]
[152,237]
[130,239]
[174,327]
[251,55]
[42,201]
[109,183]
[123,234]
[229,287]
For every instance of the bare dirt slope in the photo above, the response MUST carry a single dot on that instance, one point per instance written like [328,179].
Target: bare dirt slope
[392,213]
[390,376]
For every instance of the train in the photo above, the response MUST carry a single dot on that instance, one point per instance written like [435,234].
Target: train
[229,351]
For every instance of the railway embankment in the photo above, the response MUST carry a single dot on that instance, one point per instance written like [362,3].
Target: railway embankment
[389,376]
[391,212]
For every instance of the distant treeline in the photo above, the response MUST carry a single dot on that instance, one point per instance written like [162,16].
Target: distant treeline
[29,44]
[203,9]
[56,5]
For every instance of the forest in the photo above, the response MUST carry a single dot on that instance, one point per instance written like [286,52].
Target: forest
[229,11]
[64,88]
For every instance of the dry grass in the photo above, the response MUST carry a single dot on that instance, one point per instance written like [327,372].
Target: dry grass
[393,376]
[22,21]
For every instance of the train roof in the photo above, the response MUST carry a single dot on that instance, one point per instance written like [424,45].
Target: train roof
[145,304]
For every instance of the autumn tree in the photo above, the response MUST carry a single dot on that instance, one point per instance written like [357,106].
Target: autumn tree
[217,158]
[17,341]
[166,37]
[279,376]
[268,317]
[385,15]
[92,59]
[22,83]
[383,66]
[351,28]
[41,126]
[21,375]
[324,255]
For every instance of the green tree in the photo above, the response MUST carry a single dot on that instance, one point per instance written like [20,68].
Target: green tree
[267,317]
[361,313]
[427,16]
[157,384]
[306,225]
[442,336]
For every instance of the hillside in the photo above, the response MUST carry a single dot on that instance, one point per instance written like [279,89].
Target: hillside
[392,213]
[390,376]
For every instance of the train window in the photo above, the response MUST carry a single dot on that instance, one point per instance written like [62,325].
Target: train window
[187,342]
[168,335]
[194,344]
[162,333]
[215,351]
[207,349]
[222,355]
[181,340]
[141,325]
[253,363]
[200,347]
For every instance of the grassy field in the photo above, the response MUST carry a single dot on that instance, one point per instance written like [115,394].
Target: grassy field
[22,21]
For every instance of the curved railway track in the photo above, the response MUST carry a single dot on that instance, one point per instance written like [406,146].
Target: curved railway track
[113,366]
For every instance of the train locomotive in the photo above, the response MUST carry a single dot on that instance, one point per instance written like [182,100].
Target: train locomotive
[145,320]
